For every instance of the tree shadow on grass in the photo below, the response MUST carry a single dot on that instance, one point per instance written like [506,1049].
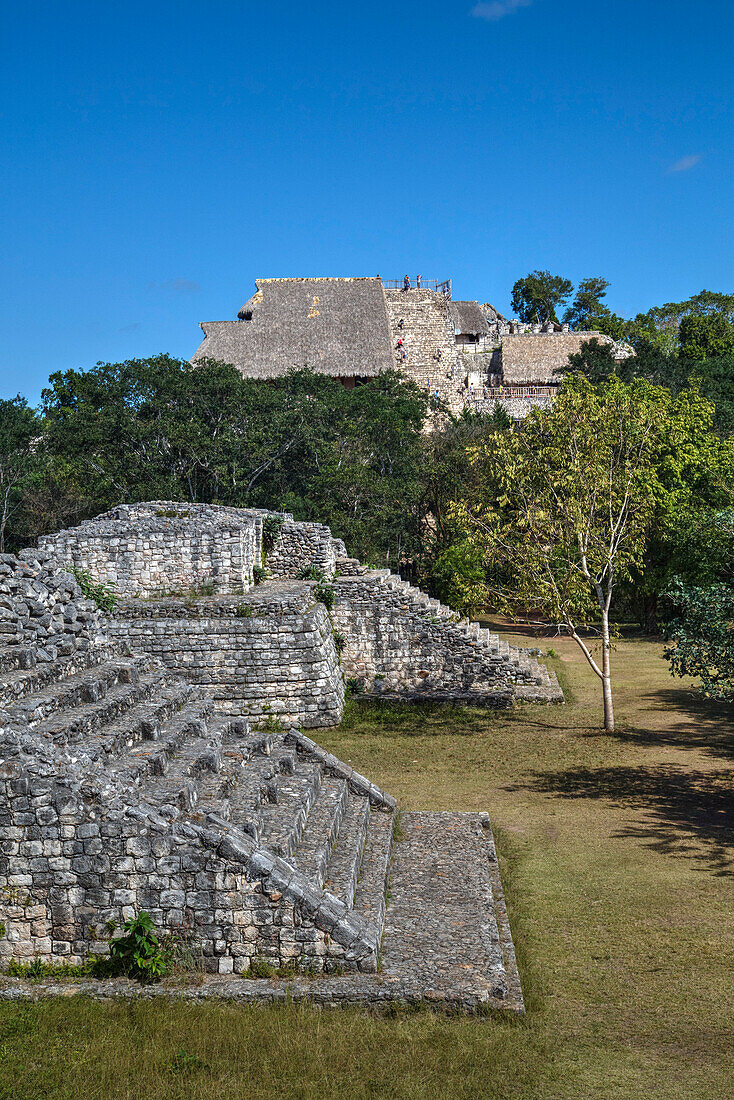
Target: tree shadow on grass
[689,813]
[682,719]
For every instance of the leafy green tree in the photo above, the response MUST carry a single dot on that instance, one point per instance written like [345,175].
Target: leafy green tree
[565,504]
[537,297]
[595,360]
[163,429]
[587,310]
[706,336]
[19,429]
[702,632]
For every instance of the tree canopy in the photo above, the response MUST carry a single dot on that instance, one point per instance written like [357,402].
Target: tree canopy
[537,297]
[562,509]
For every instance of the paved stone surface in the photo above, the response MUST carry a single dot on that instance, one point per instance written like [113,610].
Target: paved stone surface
[440,931]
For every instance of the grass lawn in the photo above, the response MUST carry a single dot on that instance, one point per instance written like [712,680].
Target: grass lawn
[617,856]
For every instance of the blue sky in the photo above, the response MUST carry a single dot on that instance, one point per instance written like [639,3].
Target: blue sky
[158,157]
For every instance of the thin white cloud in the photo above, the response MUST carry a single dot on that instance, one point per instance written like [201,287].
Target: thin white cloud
[685,163]
[494,10]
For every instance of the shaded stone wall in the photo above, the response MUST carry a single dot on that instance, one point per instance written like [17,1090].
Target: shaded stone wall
[272,652]
[66,870]
[300,545]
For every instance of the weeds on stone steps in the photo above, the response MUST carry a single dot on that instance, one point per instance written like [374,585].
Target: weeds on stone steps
[398,833]
[310,573]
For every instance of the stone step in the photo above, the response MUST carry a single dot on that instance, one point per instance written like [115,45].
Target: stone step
[181,738]
[16,657]
[346,858]
[311,854]
[282,821]
[446,933]
[16,685]
[369,896]
[186,785]
[79,722]
[86,687]
[146,721]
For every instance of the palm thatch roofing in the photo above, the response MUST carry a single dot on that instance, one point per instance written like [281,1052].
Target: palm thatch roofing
[334,326]
[533,358]
[468,319]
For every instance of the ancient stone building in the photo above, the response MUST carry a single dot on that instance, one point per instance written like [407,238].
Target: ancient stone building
[154,759]
[462,352]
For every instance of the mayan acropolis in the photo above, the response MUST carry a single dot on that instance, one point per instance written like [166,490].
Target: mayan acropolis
[463,352]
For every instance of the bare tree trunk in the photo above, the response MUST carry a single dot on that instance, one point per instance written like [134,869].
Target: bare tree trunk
[606,674]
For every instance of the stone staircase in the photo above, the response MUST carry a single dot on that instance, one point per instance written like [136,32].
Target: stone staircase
[144,741]
[526,677]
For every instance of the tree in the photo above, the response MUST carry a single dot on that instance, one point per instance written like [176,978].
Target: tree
[18,430]
[536,298]
[702,631]
[564,506]
[706,336]
[163,429]
[594,359]
[587,310]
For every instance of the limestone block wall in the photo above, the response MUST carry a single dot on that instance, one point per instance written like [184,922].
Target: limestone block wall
[67,869]
[148,556]
[42,606]
[396,645]
[272,652]
[169,547]
[300,545]
[426,330]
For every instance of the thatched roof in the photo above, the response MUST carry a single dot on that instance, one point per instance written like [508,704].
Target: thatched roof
[468,319]
[334,326]
[534,357]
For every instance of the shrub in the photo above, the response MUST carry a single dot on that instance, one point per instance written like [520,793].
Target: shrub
[259,574]
[271,529]
[104,595]
[324,593]
[310,573]
[139,953]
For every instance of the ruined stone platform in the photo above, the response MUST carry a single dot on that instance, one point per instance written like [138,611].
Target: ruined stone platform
[446,939]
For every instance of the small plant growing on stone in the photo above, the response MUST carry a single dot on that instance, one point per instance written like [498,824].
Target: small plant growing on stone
[339,642]
[310,573]
[139,953]
[261,968]
[243,611]
[103,595]
[259,574]
[271,529]
[270,723]
[325,594]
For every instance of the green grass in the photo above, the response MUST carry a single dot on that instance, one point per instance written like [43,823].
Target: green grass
[617,856]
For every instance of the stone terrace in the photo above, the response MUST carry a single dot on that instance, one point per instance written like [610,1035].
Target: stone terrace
[122,788]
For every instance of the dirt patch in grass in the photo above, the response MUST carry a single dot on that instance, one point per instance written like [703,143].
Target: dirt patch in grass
[617,856]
